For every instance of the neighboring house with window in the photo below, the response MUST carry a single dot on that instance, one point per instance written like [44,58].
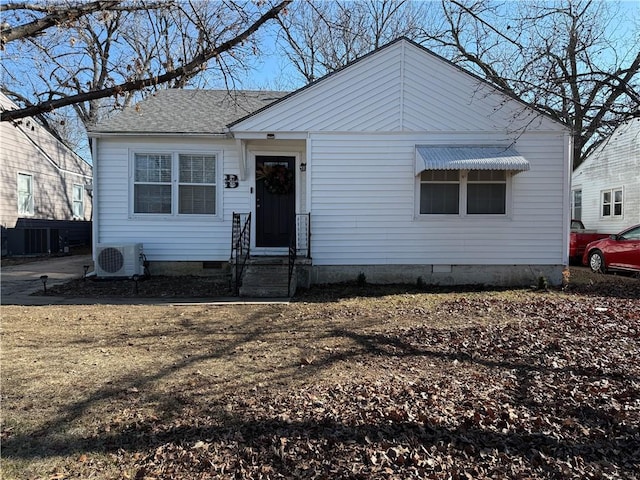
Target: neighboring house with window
[605,191]
[46,204]
[400,165]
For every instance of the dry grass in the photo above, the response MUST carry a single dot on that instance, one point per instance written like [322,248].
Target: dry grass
[80,382]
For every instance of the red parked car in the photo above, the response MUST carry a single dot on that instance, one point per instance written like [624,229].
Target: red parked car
[618,252]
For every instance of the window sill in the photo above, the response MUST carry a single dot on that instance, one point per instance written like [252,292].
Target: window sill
[153,217]
[465,218]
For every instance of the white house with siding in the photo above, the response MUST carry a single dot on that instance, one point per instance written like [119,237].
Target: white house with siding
[605,188]
[45,206]
[399,166]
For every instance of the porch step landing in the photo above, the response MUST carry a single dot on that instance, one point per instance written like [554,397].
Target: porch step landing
[267,277]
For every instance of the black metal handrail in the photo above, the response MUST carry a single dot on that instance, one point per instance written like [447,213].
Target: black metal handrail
[294,246]
[240,246]
[292,257]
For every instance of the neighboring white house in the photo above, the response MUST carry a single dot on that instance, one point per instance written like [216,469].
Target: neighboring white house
[605,191]
[45,206]
[401,165]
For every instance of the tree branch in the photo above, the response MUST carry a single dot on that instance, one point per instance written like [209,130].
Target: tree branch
[61,14]
[185,69]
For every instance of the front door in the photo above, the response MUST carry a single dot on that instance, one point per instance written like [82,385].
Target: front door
[275,200]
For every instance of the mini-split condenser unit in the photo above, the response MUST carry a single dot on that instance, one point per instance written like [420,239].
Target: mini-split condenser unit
[124,260]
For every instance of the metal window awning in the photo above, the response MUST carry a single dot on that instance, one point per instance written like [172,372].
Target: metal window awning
[469,158]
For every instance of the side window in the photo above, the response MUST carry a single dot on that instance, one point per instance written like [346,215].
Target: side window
[612,203]
[440,192]
[78,201]
[633,234]
[462,192]
[576,205]
[25,194]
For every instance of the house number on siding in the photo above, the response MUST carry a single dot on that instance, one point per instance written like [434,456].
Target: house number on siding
[230,181]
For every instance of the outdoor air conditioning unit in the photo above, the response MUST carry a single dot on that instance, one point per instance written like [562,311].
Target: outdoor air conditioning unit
[124,260]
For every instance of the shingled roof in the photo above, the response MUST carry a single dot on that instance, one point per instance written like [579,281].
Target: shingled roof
[187,111]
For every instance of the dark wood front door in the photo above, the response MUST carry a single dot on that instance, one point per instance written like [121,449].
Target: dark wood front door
[275,200]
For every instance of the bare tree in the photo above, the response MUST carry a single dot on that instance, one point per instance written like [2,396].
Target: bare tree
[80,54]
[319,37]
[562,57]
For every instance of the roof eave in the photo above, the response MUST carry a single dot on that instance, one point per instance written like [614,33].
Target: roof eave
[115,133]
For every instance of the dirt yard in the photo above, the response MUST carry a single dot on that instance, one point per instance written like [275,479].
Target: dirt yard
[347,381]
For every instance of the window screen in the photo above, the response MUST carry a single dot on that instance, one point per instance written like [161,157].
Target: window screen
[439,192]
[486,192]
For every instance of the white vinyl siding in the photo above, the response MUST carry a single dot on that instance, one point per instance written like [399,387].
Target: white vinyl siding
[166,237]
[614,166]
[25,194]
[387,92]
[365,205]
[78,201]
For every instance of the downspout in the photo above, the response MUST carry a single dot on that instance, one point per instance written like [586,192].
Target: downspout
[94,198]
[566,207]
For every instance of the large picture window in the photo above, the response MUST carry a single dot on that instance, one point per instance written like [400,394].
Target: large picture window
[25,194]
[457,192]
[182,184]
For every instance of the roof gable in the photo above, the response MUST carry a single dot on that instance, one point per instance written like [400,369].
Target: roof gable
[623,145]
[30,136]
[399,87]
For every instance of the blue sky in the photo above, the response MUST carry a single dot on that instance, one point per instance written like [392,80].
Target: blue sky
[274,71]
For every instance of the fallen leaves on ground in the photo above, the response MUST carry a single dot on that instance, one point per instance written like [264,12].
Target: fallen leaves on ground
[552,393]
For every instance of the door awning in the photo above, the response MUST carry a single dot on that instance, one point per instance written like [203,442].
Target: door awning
[469,158]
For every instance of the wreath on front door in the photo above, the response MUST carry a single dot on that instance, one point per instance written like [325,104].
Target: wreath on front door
[278,179]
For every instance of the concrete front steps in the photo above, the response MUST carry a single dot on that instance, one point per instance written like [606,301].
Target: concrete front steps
[267,277]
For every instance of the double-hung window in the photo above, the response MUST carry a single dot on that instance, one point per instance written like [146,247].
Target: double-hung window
[612,203]
[25,194]
[175,184]
[197,185]
[78,201]
[468,192]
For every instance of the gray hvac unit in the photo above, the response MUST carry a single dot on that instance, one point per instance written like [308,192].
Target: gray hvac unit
[119,260]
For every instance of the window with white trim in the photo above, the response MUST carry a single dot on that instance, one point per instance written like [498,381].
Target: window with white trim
[25,194]
[175,184]
[576,204]
[78,201]
[612,203]
[462,192]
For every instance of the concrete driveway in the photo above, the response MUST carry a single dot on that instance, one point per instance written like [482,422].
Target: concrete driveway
[18,281]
